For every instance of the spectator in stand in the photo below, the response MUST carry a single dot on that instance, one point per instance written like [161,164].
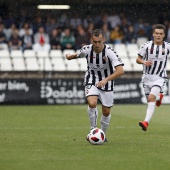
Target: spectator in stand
[3,40]
[1,20]
[168,33]
[90,29]
[50,25]
[67,40]
[38,23]
[114,20]
[26,27]
[130,36]
[140,29]
[55,39]
[75,21]
[103,20]
[87,20]
[117,35]
[15,42]
[41,40]
[8,31]
[106,33]
[10,20]
[81,38]
[125,25]
[23,18]
[148,28]
[63,20]
[5,31]
[27,39]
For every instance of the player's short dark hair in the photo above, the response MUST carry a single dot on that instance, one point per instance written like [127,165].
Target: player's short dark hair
[159,26]
[97,32]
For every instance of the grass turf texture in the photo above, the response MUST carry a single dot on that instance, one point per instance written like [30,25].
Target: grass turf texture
[53,138]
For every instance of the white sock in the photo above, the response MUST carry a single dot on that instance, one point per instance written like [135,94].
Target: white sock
[105,121]
[158,98]
[93,115]
[150,111]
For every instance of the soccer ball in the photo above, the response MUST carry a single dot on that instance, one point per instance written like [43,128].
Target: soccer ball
[96,136]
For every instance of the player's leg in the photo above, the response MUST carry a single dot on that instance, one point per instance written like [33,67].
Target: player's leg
[106,99]
[92,110]
[160,96]
[91,93]
[154,92]
[105,118]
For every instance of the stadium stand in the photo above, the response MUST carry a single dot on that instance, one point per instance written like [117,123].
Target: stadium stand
[82,64]
[5,64]
[32,64]
[58,64]
[72,65]
[56,54]
[54,60]
[29,53]
[66,51]
[141,40]
[4,53]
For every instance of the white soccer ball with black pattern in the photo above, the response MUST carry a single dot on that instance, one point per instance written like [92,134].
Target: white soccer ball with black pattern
[96,136]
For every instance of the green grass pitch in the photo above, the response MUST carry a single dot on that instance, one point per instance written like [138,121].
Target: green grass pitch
[53,138]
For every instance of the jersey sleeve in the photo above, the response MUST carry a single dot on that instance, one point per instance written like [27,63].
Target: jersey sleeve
[142,51]
[83,51]
[115,59]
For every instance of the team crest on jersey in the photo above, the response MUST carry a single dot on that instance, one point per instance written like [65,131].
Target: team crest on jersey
[105,58]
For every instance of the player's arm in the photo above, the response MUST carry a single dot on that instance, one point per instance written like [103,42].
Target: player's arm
[140,60]
[71,56]
[117,73]
[75,55]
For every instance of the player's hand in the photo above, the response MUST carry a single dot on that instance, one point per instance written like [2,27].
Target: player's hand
[71,56]
[101,83]
[68,56]
[148,63]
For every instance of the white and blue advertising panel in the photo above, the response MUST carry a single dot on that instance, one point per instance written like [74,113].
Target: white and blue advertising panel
[68,91]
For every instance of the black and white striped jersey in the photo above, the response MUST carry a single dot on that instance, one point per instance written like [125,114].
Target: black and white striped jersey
[100,66]
[157,54]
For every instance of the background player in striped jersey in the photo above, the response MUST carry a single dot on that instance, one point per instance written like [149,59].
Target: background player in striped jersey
[154,57]
[103,67]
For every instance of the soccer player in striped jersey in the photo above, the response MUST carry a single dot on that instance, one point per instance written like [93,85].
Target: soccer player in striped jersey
[103,67]
[154,57]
